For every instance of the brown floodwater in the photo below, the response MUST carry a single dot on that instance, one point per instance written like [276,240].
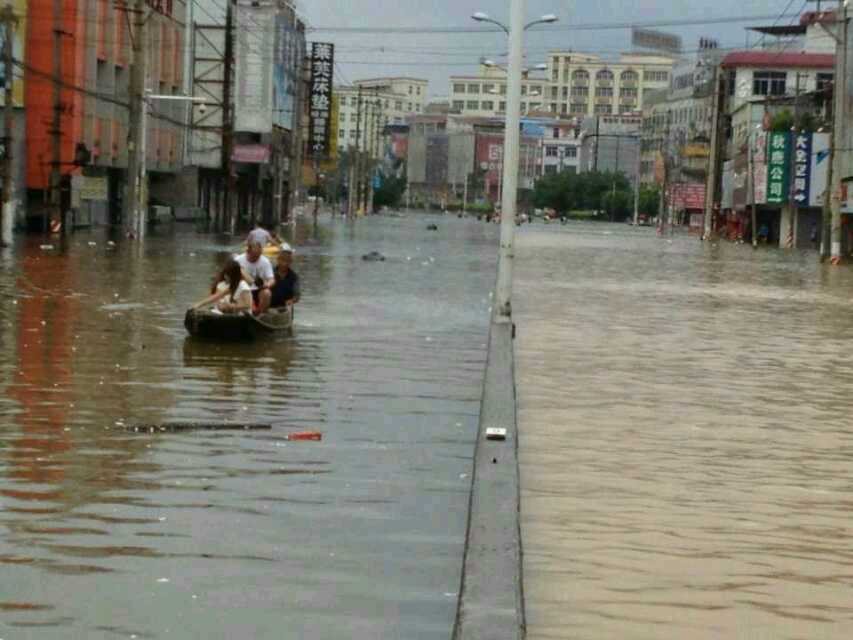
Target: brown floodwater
[106,533]
[686,442]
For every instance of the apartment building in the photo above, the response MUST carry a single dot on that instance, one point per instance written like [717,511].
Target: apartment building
[384,101]
[574,85]
[97,52]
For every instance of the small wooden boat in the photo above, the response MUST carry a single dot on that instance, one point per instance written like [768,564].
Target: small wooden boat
[215,325]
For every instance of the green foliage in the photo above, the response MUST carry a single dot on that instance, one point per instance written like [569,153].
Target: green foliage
[649,200]
[564,192]
[390,193]
[785,121]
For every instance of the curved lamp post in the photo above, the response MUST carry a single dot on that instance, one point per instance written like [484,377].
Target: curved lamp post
[512,141]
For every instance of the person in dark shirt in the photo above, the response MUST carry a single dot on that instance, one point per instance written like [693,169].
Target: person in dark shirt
[286,290]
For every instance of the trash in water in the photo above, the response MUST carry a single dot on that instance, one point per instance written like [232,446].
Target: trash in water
[46,247]
[315,436]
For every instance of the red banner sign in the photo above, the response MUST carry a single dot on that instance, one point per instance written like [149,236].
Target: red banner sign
[251,153]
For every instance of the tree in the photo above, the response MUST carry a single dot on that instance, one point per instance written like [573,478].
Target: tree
[390,192]
[649,200]
[567,191]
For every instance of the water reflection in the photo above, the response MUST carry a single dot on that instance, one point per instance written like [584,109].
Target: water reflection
[239,534]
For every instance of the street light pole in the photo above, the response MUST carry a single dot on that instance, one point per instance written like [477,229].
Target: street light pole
[512,140]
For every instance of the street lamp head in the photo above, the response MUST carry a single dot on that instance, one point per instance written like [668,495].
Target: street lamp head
[480,16]
[541,67]
[548,18]
[488,63]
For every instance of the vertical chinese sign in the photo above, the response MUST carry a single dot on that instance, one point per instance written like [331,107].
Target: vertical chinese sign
[777,168]
[802,168]
[320,99]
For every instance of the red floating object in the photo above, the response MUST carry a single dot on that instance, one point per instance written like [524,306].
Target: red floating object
[305,435]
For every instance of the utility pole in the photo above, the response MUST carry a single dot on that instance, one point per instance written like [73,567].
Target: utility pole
[56,125]
[7,214]
[839,132]
[229,201]
[751,161]
[354,182]
[133,213]
[715,161]
[637,181]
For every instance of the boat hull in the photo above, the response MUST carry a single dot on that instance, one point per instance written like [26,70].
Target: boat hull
[230,327]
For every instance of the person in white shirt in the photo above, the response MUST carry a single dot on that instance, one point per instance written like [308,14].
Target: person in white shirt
[258,273]
[230,293]
[261,235]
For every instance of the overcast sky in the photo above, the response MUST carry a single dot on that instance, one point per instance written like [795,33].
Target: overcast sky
[440,55]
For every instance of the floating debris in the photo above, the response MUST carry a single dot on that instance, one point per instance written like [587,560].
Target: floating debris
[173,427]
[305,435]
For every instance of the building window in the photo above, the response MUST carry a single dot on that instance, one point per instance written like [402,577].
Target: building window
[410,89]
[488,88]
[571,152]
[629,76]
[824,81]
[342,133]
[580,92]
[408,106]
[458,88]
[604,92]
[578,107]
[503,89]
[419,91]
[556,132]
[524,90]
[387,103]
[656,76]
[768,83]
[472,105]
[604,76]
[488,105]
[580,76]
[565,93]
[535,105]
[398,105]
[473,88]
[502,106]
[603,109]
[551,151]
[555,92]
[627,92]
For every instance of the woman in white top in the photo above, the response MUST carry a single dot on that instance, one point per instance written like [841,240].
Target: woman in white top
[230,292]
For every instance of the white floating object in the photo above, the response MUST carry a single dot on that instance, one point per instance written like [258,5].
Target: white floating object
[495,433]
[162,580]
[46,247]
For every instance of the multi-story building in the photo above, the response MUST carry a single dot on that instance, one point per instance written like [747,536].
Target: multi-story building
[484,95]
[611,143]
[91,141]
[574,85]
[384,101]
[560,148]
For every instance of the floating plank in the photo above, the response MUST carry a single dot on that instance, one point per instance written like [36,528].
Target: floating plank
[173,427]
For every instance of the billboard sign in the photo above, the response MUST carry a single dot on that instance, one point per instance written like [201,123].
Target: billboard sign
[657,40]
[802,168]
[289,53]
[777,167]
[320,98]
[253,67]
[818,169]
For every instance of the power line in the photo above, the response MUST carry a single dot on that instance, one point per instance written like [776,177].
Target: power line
[590,26]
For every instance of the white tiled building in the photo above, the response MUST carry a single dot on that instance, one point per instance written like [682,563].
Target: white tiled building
[574,85]
[383,101]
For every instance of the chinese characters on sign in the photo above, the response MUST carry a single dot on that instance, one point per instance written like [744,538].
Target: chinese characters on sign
[802,168]
[320,106]
[777,168]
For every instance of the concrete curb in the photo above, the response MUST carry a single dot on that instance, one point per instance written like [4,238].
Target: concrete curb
[491,598]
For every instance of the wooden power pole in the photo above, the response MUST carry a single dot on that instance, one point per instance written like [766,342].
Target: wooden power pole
[7,213]
[135,189]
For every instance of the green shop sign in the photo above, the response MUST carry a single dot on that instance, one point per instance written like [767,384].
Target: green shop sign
[778,155]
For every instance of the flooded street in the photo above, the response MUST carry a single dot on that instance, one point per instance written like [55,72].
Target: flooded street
[685,438]
[240,534]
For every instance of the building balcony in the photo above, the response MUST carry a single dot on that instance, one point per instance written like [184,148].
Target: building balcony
[603,83]
[580,82]
[630,84]
[603,99]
